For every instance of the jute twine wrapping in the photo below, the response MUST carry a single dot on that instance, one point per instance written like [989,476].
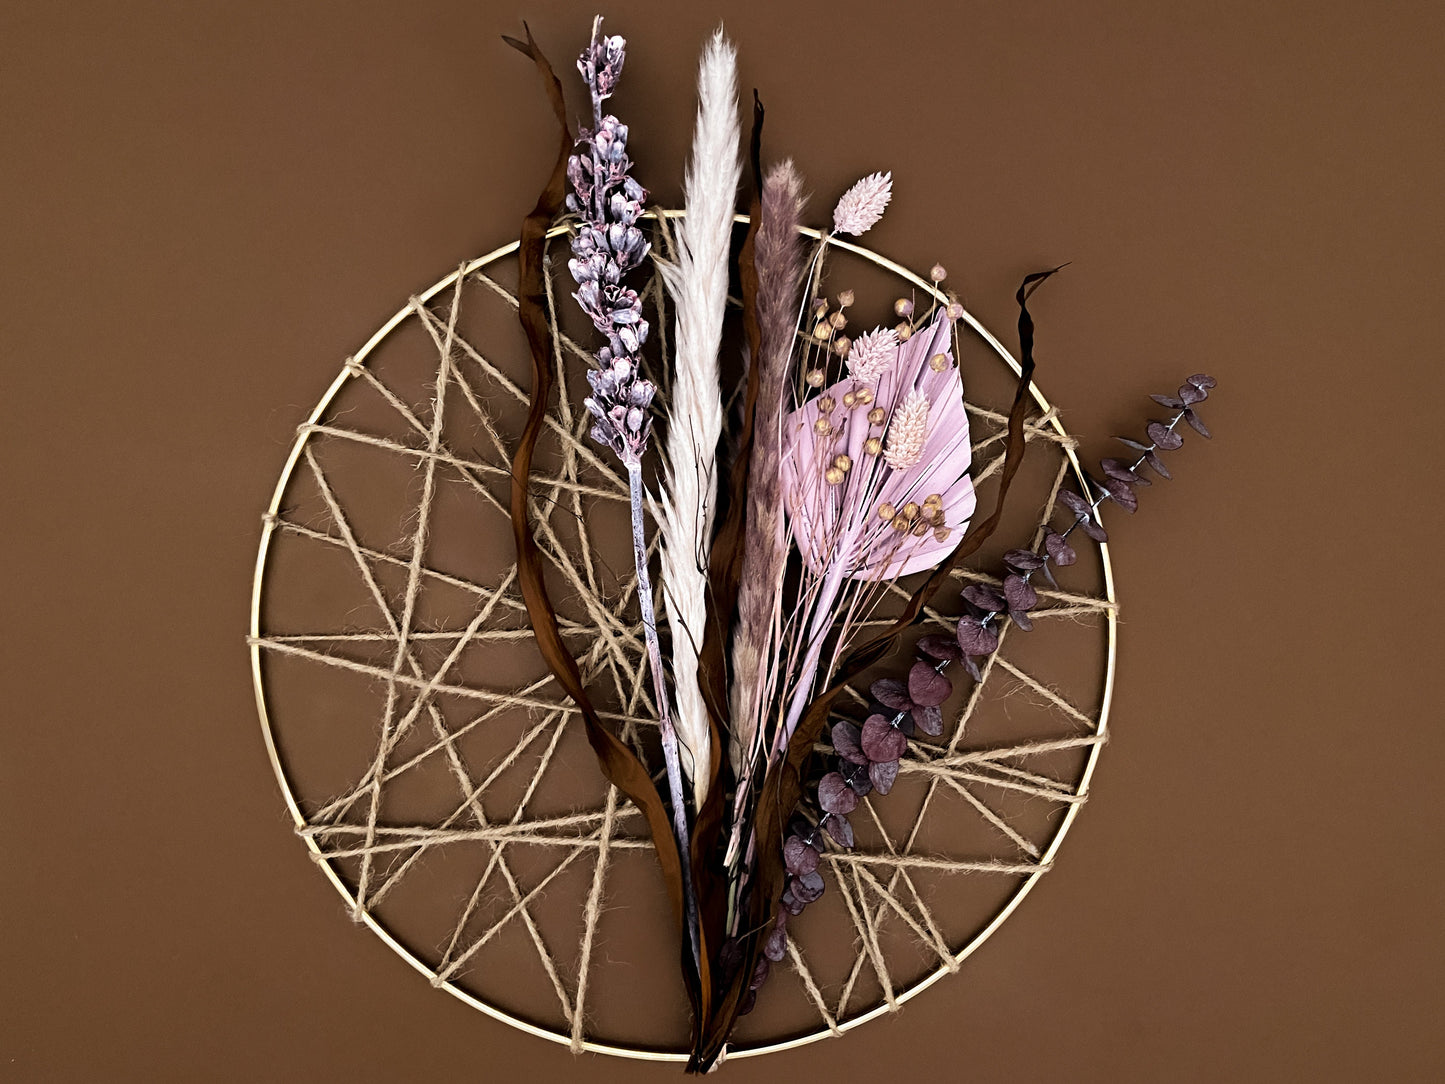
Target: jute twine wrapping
[878,885]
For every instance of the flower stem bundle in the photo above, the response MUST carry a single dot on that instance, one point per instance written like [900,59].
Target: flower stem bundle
[850,483]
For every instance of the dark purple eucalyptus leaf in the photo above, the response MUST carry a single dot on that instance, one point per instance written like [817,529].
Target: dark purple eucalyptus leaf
[791,903]
[1022,619]
[1121,493]
[857,777]
[840,830]
[891,693]
[1059,549]
[798,857]
[1023,560]
[776,946]
[1117,468]
[800,827]
[809,886]
[1133,444]
[1196,423]
[730,956]
[748,1003]
[1124,472]
[835,795]
[971,665]
[1074,503]
[940,647]
[1163,436]
[878,723]
[1048,574]
[985,598]
[1170,401]
[884,772]
[1094,529]
[1199,380]
[1157,462]
[760,973]
[881,741]
[928,719]
[926,686]
[845,742]
[904,722]
[1019,594]
[1189,394]
[976,638]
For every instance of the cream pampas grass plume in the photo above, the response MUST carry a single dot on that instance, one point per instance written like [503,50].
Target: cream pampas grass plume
[779,260]
[698,283]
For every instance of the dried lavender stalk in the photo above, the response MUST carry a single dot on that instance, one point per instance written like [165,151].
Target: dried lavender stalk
[607,246]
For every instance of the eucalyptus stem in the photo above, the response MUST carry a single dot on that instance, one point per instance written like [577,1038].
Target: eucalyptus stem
[867,757]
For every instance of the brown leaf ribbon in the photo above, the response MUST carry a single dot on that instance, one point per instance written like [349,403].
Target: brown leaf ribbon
[619,764]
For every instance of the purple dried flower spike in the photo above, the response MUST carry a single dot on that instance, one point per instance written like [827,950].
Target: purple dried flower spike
[601,63]
[607,246]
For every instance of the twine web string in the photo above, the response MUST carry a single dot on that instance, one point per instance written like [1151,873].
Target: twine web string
[877,884]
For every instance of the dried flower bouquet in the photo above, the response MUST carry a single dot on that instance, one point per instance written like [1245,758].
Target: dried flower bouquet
[779,537]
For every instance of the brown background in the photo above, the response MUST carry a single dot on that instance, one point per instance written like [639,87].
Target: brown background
[207,206]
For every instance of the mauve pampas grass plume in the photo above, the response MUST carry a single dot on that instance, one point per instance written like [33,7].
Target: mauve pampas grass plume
[779,262]
[698,283]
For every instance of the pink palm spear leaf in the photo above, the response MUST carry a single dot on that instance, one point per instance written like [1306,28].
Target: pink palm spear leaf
[876,485]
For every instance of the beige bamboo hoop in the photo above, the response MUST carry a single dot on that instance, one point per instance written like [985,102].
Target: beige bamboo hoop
[255,640]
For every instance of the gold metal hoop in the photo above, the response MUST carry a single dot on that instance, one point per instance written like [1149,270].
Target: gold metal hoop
[270,525]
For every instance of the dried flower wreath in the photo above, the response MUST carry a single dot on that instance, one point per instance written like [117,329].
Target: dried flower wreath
[849,471]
